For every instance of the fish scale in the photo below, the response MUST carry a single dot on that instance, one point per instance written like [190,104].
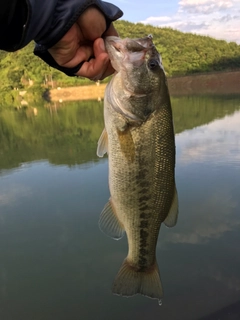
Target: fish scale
[139,140]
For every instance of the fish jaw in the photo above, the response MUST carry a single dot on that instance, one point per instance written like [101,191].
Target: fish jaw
[127,51]
[139,77]
[131,51]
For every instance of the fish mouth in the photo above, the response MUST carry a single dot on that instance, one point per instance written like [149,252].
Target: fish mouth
[131,45]
[125,52]
[145,43]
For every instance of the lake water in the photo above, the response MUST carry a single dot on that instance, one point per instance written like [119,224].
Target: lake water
[54,261]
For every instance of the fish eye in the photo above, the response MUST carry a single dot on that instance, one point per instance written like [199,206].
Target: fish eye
[152,64]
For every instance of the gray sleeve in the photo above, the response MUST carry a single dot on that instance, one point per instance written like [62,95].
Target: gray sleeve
[63,17]
[45,21]
[49,20]
[13,16]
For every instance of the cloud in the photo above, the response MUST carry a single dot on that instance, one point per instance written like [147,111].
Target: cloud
[204,6]
[190,26]
[218,19]
[159,19]
[11,195]
[228,18]
[210,209]
[197,226]
[220,135]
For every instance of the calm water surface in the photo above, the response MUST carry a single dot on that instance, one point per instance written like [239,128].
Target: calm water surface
[54,261]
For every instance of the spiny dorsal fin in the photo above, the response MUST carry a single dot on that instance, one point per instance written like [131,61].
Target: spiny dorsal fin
[102,144]
[172,216]
[109,223]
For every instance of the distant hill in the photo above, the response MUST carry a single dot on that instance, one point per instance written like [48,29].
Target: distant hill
[185,53]
[182,53]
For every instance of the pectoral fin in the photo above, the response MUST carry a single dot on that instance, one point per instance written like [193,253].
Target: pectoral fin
[102,144]
[109,223]
[172,216]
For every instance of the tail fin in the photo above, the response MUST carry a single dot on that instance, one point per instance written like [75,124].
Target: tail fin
[129,282]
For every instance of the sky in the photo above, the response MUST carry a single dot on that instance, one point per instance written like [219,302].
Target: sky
[215,18]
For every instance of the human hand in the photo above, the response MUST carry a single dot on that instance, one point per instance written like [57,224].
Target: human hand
[83,41]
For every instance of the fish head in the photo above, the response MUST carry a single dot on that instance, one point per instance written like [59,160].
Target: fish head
[138,61]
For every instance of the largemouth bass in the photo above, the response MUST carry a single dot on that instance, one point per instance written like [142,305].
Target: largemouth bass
[139,140]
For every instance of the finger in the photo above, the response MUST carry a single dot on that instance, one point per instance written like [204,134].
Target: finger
[95,68]
[83,53]
[99,49]
[71,59]
[109,70]
[99,46]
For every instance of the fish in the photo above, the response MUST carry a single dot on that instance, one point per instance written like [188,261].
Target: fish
[139,140]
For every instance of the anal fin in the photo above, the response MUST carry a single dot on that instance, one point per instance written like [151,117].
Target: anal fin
[109,223]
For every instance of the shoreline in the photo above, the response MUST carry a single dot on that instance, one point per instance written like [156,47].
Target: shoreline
[225,82]
[91,92]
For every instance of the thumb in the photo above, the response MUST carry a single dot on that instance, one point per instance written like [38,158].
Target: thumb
[96,67]
[99,47]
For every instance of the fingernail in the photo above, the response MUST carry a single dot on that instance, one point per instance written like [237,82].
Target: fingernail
[102,46]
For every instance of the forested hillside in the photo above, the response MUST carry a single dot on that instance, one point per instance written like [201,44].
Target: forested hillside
[182,53]
[185,53]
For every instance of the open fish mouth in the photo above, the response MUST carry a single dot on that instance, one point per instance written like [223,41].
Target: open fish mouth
[126,52]
[132,45]
[145,42]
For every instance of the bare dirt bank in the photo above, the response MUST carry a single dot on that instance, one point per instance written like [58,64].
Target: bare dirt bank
[92,92]
[211,83]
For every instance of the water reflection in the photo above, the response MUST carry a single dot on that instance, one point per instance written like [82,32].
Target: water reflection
[68,135]
[209,155]
[56,264]
[222,136]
